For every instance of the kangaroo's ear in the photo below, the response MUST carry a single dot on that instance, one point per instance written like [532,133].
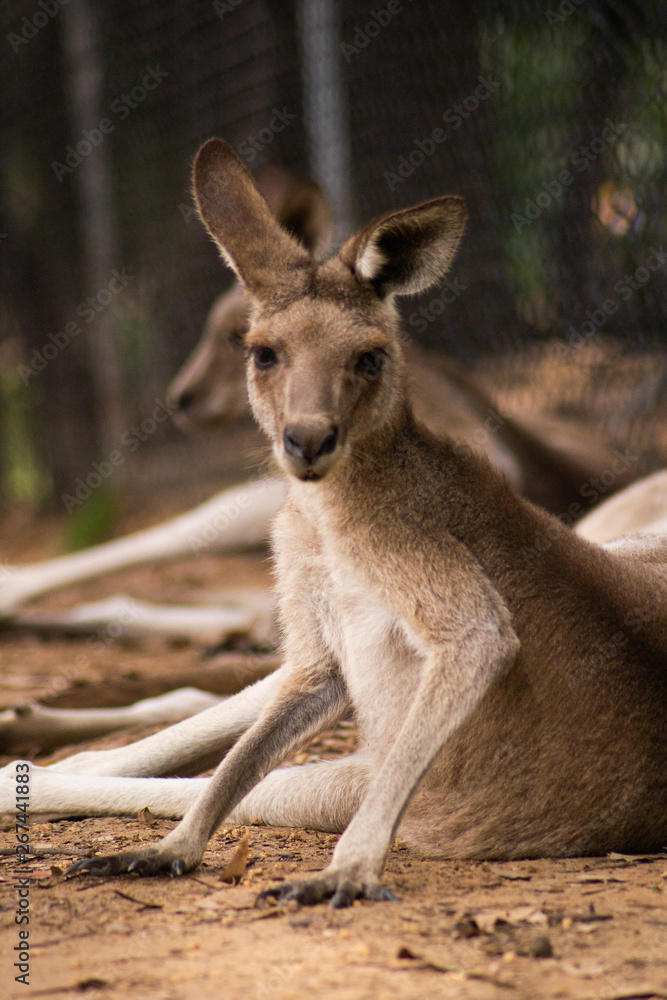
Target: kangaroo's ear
[258,250]
[301,207]
[307,215]
[405,252]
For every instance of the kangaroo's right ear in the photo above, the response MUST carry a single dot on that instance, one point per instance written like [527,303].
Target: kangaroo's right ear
[258,250]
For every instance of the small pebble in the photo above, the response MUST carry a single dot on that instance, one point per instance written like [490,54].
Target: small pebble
[466,927]
[540,947]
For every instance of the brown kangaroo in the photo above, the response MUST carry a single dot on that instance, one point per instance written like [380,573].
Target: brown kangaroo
[509,678]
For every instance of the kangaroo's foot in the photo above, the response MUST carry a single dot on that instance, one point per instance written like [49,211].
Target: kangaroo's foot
[149,861]
[340,885]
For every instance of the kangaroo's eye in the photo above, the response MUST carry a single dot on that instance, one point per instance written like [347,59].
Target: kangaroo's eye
[370,363]
[265,357]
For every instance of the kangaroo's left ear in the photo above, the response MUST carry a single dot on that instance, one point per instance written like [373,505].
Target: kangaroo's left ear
[265,258]
[406,252]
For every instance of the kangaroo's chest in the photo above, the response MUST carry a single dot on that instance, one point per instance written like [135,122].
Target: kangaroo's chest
[327,592]
[380,659]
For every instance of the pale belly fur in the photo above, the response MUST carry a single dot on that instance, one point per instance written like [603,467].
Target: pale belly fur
[380,660]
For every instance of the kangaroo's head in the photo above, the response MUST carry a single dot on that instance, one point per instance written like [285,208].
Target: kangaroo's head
[324,365]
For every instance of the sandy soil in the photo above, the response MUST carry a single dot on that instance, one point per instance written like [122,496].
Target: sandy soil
[581,928]
[594,928]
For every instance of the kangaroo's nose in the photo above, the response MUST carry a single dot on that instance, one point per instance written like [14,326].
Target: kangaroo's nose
[309,443]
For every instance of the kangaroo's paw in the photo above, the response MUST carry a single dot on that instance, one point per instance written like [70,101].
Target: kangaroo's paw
[149,861]
[342,887]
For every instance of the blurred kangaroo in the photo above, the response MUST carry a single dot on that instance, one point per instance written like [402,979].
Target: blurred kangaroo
[509,678]
[211,387]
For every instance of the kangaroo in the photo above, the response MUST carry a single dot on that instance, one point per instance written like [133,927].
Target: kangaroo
[509,678]
[638,509]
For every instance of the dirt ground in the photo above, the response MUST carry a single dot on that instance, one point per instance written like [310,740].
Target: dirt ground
[593,928]
[581,928]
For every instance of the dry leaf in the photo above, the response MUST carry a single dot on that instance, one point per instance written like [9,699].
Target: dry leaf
[144,904]
[236,867]
[146,816]
[429,961]
[648,994]
[268,914]
[635,858]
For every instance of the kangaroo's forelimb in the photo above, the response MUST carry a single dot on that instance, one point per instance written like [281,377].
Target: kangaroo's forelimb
[306,703]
